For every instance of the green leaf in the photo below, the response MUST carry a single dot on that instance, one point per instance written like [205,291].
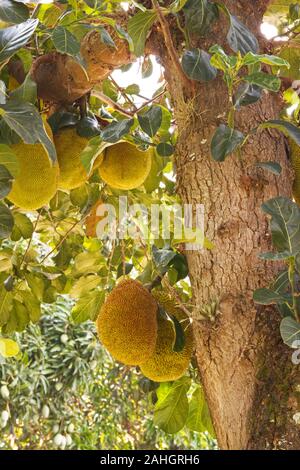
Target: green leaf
[264,80]
[179,335]
[18,318]
[32,305]
[36,284]
[88,307]
[139,26]
[162,257]
[224,142]
[88,127]
[6,222]
[23,227]
[8,347]
[13,12]
[114,131]
[9,160]
[199,16]
[196,65]
[27,91]
[199,419]
[240,38]
[247,94]
[251,59]
[284,224]
[290,332]
[65,42]
[172,407]
[270,256]
[151,120]
[286,127]
[147,67]
[6,299]
[133,89]
[164,149]
[25,120]
[292,56]
[265,296]
[273,167]
[90,153]
[15,37]
[6,180]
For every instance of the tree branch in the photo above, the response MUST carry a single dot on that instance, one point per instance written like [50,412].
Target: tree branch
[169,44]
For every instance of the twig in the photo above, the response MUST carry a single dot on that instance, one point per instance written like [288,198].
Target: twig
[123,93]
[169,43]
[150,100]
[110,102]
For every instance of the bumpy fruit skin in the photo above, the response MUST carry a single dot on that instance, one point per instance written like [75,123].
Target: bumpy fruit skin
[69,146]
[127,323]
[101,58]
[165,364]
[124,166]
[37,180]
[295,157]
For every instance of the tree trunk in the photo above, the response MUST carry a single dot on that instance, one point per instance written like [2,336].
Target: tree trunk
[249,379]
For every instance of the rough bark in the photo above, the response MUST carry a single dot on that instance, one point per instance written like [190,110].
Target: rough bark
[247,373]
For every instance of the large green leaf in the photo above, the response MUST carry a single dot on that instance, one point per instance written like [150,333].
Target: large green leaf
[151,120]
[6,180]
[172,407]
[239,37]
[286,127]
[199,419]
[88,306]
[25,120]
[264,80]
[116,130]
[138,28]
[268,296]
[162,257]
[284,224]
[15,37]
[27,91]
[225,141]
[9,159]
[196,65]
[13,12]
[23,227]
[6,222]
[290,332]
[277,12]
[199,16]
[292,56]
[65,42]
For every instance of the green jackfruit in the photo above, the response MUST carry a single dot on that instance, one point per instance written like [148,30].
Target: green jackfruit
[37,180]
[127,323]
[124,166]
[165,364]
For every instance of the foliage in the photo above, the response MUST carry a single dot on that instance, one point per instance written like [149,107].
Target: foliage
[47,252]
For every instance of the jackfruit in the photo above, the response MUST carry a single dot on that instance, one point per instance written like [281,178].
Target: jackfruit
[69,146]
[295,157]
[165,364]
[101,58]
[59,78]
[124,166]
[127,323]
[36,182]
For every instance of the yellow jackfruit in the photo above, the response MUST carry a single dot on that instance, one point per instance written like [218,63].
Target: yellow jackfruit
[124,166]
[36,182]
[69,146]
[165,364]
[295,157]
[127,323]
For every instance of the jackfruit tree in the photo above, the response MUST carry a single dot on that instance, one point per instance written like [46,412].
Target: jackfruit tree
[220,128]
